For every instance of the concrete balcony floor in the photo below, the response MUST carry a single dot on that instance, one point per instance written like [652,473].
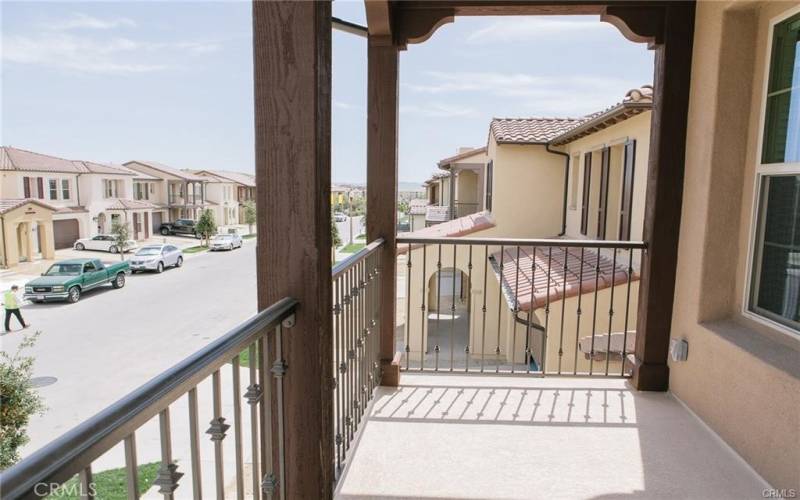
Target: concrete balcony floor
[450,436]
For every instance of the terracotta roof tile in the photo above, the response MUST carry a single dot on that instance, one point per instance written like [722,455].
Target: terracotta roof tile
[6,205]
[175,172]
[462,156]
[457,227]
[124,204]
[530,130]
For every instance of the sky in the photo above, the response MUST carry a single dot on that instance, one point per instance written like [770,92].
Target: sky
[172,82]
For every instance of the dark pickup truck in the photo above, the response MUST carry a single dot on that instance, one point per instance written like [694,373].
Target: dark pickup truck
[180,226]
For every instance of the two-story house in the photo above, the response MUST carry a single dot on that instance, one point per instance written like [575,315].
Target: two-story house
[183,192]
[221,197]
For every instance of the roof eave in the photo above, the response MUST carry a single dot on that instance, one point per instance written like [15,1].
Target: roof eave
[623,111]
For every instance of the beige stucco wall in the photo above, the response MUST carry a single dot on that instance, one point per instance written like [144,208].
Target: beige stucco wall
[741,377]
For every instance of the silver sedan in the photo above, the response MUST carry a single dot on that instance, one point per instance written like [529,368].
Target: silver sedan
[225,242]
[156,258]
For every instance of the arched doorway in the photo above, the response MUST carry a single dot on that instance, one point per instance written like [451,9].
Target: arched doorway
[448,319]
[101,223]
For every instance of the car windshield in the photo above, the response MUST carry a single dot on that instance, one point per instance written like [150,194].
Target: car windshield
[64,270]
[149,251]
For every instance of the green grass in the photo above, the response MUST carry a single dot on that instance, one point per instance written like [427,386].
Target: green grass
[353,247]
[195,249]
[361,236]
[109,484]
[249,236]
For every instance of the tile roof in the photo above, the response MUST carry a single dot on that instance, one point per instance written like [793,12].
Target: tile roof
[6,205]
[461,156]
[530,130]
[175,172]
[248,180]
[457,227]
[72,210]
[29,161]
[533,272]
[125,204]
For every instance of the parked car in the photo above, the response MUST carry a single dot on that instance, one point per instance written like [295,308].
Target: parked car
[103,242]
[339,217]
[225,242]
[69,279]
[180,226]
[156,258]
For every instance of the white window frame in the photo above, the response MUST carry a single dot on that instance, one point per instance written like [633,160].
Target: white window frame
[765,170]
[65,188]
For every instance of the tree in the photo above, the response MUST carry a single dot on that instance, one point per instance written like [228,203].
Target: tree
[18,401]
[249,208]
[121,234]
[206,225]
[403,207]
[335,237]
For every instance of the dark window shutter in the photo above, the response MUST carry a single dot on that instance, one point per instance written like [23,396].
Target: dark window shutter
[587,186]
[40,187]
[602,209]
[626,206]
[26,187]
[489,184]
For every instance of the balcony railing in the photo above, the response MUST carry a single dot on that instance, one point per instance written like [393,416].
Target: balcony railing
[463,208]
[545,307]
[356,342]
[74,452]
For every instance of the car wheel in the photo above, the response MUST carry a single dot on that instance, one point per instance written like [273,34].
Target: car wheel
[80,246]
[179,263]
[164,232]
[112,249]
[74,295]
[160,268]
[119,281]
[134,271]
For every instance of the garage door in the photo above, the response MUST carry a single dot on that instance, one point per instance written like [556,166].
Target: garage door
[156,222]
[65,232]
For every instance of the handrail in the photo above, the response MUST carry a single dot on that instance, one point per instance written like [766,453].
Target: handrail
[347,263]
[72,451]
[554,242]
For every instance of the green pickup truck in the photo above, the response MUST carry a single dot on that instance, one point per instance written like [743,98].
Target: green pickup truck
[68,279]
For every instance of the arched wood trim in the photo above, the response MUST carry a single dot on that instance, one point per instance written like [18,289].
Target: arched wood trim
[419,26]
[637,24]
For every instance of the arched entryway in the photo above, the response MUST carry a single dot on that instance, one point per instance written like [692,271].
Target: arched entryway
[448,319]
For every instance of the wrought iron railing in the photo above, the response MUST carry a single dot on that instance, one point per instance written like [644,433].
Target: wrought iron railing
[541,306]
[356,342]
[74,452]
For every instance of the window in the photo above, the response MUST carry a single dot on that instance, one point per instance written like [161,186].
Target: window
[65,189]
[774,291]
[52,187]
[602,209]
[573,194]
[587,186]
[489,184]
[26,187]
[626,201]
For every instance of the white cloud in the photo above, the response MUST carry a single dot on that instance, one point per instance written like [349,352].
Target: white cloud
[342,105]
[437,110]
[80,20]
[537,28]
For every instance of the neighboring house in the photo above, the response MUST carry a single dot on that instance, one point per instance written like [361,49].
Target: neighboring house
[26,229]
[222,196]
[86,197]
[571,178]
[417,209]
[183,191]
[245,189]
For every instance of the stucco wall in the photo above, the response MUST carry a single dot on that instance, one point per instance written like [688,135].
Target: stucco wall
[741,377]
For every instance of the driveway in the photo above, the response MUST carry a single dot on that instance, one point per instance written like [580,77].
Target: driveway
[113,341]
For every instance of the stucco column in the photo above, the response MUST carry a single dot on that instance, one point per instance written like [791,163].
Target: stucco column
[48,245]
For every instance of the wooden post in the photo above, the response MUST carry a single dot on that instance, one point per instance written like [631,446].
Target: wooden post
[292,70]
[382,106]
[673,62]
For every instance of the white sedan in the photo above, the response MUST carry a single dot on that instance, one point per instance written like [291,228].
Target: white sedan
[225,242]
[103,242]
[156,258]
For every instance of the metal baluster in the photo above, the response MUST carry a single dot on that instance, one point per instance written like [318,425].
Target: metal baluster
[563,309]
[237,427]
[578,314]
[453,310]
[469,309]
[611,308]
[516,312]
[131,468]
[594,309]
[337,316]
[279,369]
[168,475]
[87,485]
[627,308]
[362,372]
[269,481]
[483,309]
[253,396]
[194,445]
[438,305]
[376,356]
[356,292]
[424,311]
[547,310]
[348,346]
[368,343]
[408,308]
[528,354]
[217,431]
[499,309]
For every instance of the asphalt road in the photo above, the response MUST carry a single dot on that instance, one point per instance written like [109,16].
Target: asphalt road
[113,341]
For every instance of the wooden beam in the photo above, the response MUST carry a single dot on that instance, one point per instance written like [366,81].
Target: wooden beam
[673,62]
[379,19]
[382,126]
[292,77]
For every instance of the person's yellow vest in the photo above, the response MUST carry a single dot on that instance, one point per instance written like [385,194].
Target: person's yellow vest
[10,300]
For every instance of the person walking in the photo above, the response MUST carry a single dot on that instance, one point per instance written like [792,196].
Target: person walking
[11,305]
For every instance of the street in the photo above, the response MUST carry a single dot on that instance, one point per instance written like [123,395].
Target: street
[113,341]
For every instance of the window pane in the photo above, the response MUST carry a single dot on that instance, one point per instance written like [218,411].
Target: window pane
[782,123]
[776,277]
